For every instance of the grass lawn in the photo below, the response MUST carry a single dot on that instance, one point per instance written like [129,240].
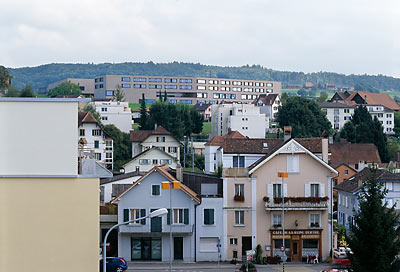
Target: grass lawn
[206,128]
[135,126]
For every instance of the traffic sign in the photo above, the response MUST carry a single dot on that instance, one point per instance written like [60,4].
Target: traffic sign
[219,245]
[282,248]
[250,252]
[284,258]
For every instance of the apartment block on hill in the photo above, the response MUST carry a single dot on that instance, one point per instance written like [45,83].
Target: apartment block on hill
[115,113]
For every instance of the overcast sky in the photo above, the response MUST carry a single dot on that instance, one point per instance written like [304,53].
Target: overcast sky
[344,36]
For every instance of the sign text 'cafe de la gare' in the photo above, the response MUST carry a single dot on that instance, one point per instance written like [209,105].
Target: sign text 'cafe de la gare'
[297,242]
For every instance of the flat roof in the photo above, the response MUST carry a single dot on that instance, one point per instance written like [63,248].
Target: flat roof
[42,99]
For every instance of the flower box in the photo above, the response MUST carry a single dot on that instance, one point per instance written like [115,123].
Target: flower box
[239,198]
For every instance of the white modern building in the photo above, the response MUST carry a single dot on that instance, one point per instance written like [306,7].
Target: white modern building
[244,118]
[115,113]
[384,115]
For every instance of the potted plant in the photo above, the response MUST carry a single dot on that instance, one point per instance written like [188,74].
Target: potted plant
[277,225]
[266,199]
[239,198]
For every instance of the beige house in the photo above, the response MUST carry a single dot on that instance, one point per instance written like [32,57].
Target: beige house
[49,211]
[253,209]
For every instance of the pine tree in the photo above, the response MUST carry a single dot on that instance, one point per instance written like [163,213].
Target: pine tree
[374,239]
[165,96]
[143,122]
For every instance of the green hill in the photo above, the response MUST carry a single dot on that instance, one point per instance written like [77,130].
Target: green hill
[41,76]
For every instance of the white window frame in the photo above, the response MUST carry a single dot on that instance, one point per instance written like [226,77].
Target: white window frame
[276,219]
[175,219]
[134,214]
[233,241]
[312,217]
[239,189]
[238,218]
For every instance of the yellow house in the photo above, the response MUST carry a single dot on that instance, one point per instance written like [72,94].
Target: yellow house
[49,212]
[253,205]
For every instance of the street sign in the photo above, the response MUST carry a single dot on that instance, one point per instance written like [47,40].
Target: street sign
[219,245]
[283,175]
[250,252]
[284,258]
[282,248]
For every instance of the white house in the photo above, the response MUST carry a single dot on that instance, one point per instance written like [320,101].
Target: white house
[115,113]
[93,142]
[159,137]
[245,118]
[149,158]
[337,113]
[268,104]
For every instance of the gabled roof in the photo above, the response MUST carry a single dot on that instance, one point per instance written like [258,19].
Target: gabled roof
[267,99]
[162,170]
[345,164]
[370,99]
[119,177]
[218,140]
[353,153]
[86,117]
[147,151]
[290,146]
[352,184]
[201,106]
[141,135]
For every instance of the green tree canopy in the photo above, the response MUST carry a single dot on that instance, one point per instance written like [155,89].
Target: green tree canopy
[65,88]
[4,78]
[374,240]
[143,122]
[304,116]
[27,92]
[119,94]
[363,129]
[122,151]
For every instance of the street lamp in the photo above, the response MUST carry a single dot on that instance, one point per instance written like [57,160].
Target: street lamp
[284,257]
[156,213]
[169,185]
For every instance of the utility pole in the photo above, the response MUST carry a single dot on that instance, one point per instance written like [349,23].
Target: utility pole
[192,156]
[283,248]
[184,152]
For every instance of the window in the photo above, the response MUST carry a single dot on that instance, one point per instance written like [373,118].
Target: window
[155,80]
[104,118]
[277,190]
[139,79]
[161,148]
[82,132]
[293,163]
[346,172]
[125,85]
[208,244]
[155,189]
[96,144]
[170,86]
[97,156]
[389,115]
[109,93]
[185,80]
[109,145]
[346,110]
[238,161]
[126,79]
[178,216]
[109,155]
[103,109]
[201,81]
[144,162]
[170,80]
[160,139]
[96,132]
[165,161]
[310,243]
[155,161]
[135,214]
[185,87]
[172,149]
[277,220]
[239,217]
[208,217]
[239,189]
[314,220]
[154,86]
[233,241]
[315,190]
[201,87]
[186,101]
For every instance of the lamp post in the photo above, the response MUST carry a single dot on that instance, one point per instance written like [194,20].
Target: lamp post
[156,213]
[284,257]
[169,185]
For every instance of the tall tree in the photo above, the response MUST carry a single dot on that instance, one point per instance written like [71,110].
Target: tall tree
[304,116]
[143,115]
[374,240]
[11,91]
[363,129]
[65,88]
[4,78]
[119,94]
[122,146]
[27,92]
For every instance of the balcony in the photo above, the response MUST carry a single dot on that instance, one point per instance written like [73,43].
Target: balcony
[235,172]
[176,229]
[297,203]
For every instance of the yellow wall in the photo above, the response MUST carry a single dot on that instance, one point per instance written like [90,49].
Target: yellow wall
[49,224]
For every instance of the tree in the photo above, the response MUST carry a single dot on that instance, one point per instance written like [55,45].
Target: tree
[284,98]
[122,152]
[143,115]
[363,129]
[119,94]
[304,116]
[397,123]
[27,92]
[66,88]
[374,240]
[4,78]
[11,91]
[165,96]
[323,96]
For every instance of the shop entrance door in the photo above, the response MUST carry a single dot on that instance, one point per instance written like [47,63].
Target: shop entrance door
[295,251]
[178,248]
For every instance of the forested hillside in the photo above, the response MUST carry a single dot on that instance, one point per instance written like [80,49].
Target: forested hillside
[41,76]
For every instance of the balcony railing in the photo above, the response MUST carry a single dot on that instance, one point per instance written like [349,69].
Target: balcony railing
[137,228]
[297,203]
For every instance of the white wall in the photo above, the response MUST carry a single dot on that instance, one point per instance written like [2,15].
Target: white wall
[209,158]
[115,113]
[41,137]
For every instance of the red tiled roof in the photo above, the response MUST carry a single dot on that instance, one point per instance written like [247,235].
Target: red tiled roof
[353,153]
[141,135]
[370,99]
[267,99]
[218,140]
[85,117]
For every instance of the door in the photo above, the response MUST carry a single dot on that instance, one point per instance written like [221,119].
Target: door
[155,223]
[178,248]
[246,244]
[295,251]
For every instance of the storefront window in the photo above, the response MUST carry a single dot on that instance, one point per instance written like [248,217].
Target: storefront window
[146,248]
[278,244]
[310,243]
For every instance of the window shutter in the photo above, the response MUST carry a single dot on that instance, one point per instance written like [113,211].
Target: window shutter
[143,214]
[169,217]
[126,215]
[285,190]
[186,216]
[270,192]
[307,190]
[211,216]
[322,190]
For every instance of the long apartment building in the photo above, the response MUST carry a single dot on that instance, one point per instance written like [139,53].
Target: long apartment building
[189,90]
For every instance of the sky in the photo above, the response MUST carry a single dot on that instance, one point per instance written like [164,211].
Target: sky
[343,36]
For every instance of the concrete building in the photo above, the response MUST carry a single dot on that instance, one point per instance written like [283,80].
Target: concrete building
[50,211]
[189,90]
[85,84]
[243,118]
[115,113]
[337,113]
[93,141]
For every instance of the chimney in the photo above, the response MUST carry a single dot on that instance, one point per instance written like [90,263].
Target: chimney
[325,146]
[287,133]
[179,172]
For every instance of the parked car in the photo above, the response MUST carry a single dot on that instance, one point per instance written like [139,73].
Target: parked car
[341,252]
[114,264]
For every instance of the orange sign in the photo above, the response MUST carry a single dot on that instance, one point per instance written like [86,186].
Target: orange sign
[165,185]
[176,185]
[283,175]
